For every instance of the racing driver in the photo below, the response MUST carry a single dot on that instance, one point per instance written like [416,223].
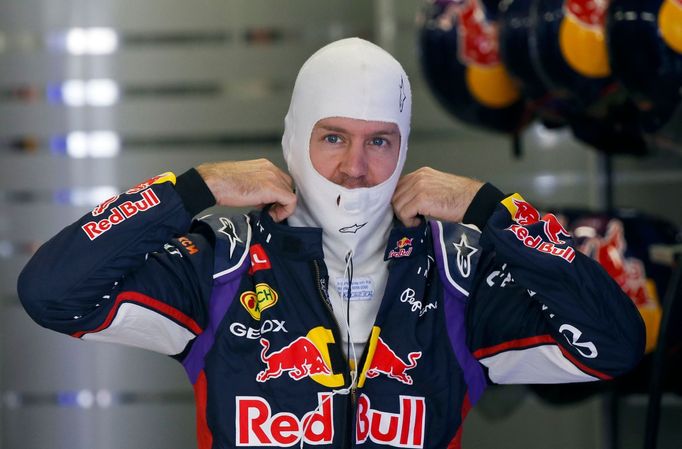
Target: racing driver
[336,315]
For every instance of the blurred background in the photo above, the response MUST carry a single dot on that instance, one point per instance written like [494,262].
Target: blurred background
[575,104]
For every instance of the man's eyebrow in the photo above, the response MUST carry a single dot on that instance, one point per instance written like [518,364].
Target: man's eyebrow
[381,132]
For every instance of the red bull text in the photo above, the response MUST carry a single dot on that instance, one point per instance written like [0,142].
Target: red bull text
[537,243]
[403,429]
[257,426]
[121,213]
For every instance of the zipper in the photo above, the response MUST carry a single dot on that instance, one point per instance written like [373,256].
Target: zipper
[325,298]
[337,337]
[323,295]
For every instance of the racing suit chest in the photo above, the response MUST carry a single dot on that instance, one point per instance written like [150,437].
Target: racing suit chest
[276,372]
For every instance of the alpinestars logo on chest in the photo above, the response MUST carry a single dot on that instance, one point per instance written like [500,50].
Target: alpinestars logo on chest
[352,229]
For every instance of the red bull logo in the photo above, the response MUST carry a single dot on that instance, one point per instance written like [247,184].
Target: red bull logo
[527,215]
[256,425]
[524,215]
[403,429]
[121,213]
[486,77]
[99,209]
[300,359]
[587,12]
[581,37]
[404,242]
[478,42]
[629,273]
[385,361]
[102,207]
[403,248]
[158,179]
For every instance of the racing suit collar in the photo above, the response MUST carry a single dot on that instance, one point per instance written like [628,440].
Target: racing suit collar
[411,240]
[301,243]
[305,243]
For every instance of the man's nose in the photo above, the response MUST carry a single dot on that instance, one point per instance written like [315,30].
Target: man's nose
[355,160]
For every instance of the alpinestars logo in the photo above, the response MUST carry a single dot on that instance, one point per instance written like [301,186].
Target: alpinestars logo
[229,230]
[352,229]
[464,253]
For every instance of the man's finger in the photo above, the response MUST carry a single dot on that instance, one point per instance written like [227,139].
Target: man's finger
[280,212]
[406,209]
[283,203]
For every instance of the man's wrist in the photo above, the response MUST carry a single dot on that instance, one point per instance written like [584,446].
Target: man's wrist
[195,194]
[483,205]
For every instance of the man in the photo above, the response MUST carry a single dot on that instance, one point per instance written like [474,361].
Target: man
[340,327]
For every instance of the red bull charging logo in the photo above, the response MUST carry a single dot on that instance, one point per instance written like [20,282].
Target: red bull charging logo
[525,215]
[385,361]
[257,424]
[300,359]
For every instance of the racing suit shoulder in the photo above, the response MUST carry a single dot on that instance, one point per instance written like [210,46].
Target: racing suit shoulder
[232,241]
[133,271]
[458,252]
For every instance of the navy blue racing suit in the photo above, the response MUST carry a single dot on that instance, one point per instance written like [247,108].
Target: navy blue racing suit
[242,303]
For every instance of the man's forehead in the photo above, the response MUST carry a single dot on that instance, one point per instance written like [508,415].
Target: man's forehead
[347,124]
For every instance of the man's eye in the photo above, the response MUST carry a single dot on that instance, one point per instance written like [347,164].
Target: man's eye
[379,141]
[332,138]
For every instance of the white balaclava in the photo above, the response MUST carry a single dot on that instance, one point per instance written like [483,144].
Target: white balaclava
[350,78]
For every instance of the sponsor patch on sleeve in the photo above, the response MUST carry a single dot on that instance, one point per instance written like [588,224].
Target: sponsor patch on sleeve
[551,237]
[120,213]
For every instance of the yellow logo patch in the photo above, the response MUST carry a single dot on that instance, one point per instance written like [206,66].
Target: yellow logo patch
[255,302]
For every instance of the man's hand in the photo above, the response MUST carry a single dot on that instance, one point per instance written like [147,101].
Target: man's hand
[254,183]
[433,193]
